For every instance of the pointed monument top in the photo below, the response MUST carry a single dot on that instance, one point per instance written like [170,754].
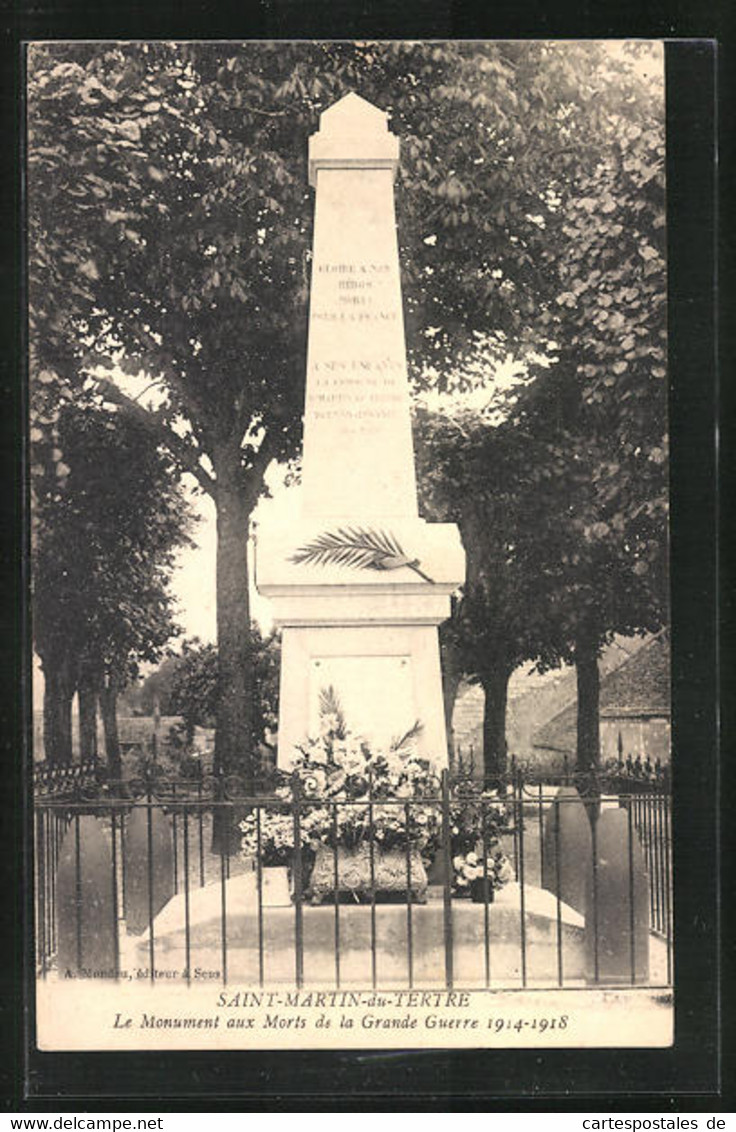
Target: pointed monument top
[353,134]
[352,111]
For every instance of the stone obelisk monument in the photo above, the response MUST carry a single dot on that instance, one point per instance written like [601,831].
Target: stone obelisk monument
[360,583]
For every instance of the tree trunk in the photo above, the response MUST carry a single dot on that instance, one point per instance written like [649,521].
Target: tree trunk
[495,683]
[235,690]
[588,684]
[109,712]
[57,711]
[87,694]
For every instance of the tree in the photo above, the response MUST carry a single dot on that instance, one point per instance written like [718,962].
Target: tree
[170,225]
[605,399]
[194,692]
[154,695]
[553,572]
[103,553]
[592,421]
[500,490]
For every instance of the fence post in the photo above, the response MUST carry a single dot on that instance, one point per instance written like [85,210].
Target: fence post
[41,893]
[447,887]
[519,794]
[372,864]
[409,919]
[219,800]
[298,880]
[149,860]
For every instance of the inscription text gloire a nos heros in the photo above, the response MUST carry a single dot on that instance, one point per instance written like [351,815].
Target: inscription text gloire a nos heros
[355,390]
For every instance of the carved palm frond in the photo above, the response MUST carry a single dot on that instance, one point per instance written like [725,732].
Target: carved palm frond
[360,548]
[401,742]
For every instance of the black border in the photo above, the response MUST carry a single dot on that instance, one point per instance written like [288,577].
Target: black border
[686,1077]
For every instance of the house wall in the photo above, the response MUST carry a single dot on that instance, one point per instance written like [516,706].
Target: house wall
[644,737]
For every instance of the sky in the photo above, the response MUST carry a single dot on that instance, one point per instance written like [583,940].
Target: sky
[193,581]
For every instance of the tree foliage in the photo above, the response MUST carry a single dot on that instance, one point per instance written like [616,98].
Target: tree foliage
[103,553]
[560,484]
[193,693]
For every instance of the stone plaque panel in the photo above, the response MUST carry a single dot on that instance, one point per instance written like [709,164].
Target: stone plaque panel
[567,848]
[613,951]
[85,913]
[147,889]
[375,694]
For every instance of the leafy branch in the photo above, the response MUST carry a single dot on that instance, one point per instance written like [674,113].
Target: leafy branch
[359,548]
[329,705]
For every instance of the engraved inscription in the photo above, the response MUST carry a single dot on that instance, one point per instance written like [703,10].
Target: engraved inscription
[359,392]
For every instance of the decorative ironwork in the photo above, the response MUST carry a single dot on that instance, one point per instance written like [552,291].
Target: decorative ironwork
[195,807]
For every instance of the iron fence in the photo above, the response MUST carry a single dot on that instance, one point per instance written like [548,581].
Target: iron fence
[143,874]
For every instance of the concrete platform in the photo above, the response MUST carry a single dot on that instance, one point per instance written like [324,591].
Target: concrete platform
[349,936]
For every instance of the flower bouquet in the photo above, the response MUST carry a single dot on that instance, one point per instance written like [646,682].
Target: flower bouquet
[363,828]
[369,821]
[478,881]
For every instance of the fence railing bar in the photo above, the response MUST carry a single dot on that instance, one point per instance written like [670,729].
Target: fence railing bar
[42,903]
[149,874]
[558,892]
[409,919]
[647,817]
[175,838]
[652,861]
[666,807]
[114,879]
[540,813]
[78,890]
[594,867]
[45,894]
[662,853]
[223,910]
[187,936]
[515,830]
[298,882]
[650,849]
[372,868]
[665,861]
[61,825]
[259,894]
[447,882]
[652,869]
[123,878]
[522,897]
[336,881]
[486,908]
[200,824]
[53,840]
[632,923]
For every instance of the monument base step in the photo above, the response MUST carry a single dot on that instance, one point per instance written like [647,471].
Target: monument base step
[343,946]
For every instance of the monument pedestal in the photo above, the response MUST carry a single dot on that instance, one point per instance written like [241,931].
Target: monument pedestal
[370,635]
